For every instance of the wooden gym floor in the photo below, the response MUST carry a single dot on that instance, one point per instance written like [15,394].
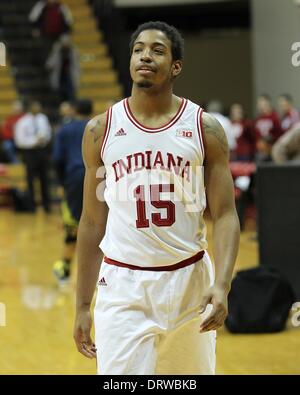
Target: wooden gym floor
[37,338]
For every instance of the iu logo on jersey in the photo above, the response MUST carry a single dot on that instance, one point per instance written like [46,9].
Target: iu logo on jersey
[184,133]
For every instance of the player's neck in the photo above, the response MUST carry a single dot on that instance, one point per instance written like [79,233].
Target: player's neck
[147,102]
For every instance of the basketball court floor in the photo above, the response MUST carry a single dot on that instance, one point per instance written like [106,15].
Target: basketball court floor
[37,338]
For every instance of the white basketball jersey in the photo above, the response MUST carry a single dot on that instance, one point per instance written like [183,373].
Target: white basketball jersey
[154,187]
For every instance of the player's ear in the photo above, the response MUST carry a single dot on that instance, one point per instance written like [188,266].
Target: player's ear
[176,68]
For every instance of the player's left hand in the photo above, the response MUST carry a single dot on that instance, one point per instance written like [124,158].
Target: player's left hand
[216,296]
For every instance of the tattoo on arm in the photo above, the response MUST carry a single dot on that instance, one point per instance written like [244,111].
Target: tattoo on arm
[213,127]
[96,130]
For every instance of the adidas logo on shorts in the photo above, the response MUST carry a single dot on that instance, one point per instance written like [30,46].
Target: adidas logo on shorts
[102,282]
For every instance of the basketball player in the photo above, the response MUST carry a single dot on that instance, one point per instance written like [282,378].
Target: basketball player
[159,302]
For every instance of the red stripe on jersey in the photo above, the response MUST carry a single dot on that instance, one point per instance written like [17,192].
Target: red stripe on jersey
[106,131]
[200,130]
[202,133]
[154,130]
[179,265]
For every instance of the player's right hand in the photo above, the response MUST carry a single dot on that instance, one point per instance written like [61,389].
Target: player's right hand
[82,334]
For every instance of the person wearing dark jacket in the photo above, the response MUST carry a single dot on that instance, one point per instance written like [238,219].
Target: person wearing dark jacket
[70,170]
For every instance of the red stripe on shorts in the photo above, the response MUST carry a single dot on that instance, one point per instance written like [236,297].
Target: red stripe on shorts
[179,265]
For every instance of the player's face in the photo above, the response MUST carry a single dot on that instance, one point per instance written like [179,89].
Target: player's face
[151,62]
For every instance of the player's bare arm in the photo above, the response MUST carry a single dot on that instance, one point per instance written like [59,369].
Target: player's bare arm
[90,232]
[226,229]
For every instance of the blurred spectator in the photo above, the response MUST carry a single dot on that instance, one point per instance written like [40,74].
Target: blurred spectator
[242,130]
[3,156]
[32,136]
[7,133]
[69,164]
[50,19]
[287,148]
[267,128]
[66,112]
[63,64]
[289,114]
[215,108]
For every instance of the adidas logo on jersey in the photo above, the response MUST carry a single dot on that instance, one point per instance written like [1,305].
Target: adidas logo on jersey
[120,132]
[102,282]
[184,133]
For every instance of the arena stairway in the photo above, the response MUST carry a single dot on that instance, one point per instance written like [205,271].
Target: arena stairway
[8,91]
[99,80]
[27,55]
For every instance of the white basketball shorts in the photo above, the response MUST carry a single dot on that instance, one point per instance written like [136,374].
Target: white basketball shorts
[148,323]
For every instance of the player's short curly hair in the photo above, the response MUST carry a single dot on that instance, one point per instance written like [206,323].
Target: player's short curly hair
[171,32]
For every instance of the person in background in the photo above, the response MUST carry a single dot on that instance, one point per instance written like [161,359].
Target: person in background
[3,155]
[70,169]
[66,115]
[66,112]
[242,130]
[32,136]
[63,64]
[289,114]
[215,108]
[267,128]
[7,132]
[51,19]
[287,148]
